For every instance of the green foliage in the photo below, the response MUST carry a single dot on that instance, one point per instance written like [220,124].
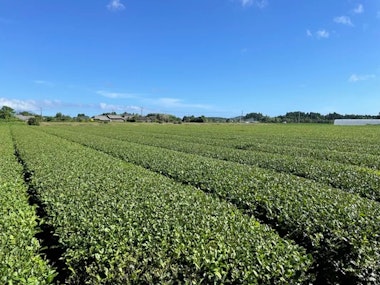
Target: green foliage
[122,224]
[340,229]
[350,178]
[6,113]
[304,162]
[33,121]
[162,118]
[192,119]
[20,262]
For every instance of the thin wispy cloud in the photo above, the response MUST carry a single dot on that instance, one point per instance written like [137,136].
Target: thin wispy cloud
[55,103]
[116,95]
[257,3]
[44,83]
[36,106]
[359,9]
[355,77]
[246,3]
[344,20]
[19,105]
[146,100]
[58,104]
[177,103]
[120,108]
[261,4]
[320,34]
[115,5]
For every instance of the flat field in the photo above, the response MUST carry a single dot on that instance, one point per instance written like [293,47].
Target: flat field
[201,203]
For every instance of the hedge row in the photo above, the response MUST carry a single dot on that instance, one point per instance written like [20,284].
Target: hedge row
[343,152]
[362,139]
[123,224]
[353,179]
[20,261]
[340,229]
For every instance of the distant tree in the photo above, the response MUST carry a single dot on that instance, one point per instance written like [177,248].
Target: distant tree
[61,118]
[58,116]
[254,116]
[333,116]
[192,119]
[187,119]
[6,113]
[33,121]
[82,118]
[26,113]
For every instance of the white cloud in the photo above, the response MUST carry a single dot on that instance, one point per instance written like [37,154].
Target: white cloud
[363,77]
[19,105]
[115,5]
[119,108]
[262,3]
[359,9]
[344,20]
[38,106]
[115,95]
[245,3]
[258,3]
[54,104]
[322,34]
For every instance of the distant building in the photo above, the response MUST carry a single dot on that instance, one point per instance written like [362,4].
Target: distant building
[23,118]
[101,118]
[109,118]
[356,122]
[116,118]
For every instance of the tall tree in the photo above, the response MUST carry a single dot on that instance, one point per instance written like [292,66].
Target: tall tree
[6,112]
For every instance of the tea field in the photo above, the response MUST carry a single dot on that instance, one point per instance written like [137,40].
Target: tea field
[189,204]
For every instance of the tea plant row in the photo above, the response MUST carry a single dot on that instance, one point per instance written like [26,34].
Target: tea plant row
[20,259]
[340,229]
[338,151]
[354,179]
[122,224]
[362,139]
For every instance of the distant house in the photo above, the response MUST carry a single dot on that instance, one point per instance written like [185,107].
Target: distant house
[356,122]
[116,118]
[101,118]
[23,118]
[109,118]
[127,116]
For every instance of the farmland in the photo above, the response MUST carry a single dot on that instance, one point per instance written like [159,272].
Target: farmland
[193,204]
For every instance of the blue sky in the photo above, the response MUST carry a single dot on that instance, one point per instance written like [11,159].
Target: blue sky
[190,57]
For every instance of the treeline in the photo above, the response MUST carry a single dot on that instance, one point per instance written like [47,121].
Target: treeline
[9,114]
[302,117]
